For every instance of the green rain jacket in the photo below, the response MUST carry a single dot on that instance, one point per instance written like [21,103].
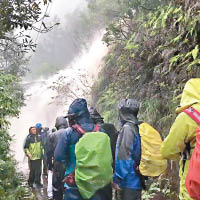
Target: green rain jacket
[183,131]
[33,146]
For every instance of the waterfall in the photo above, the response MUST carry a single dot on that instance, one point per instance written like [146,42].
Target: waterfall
[40,107]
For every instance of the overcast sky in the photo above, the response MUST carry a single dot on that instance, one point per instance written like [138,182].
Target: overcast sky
[62,7]
[58,8]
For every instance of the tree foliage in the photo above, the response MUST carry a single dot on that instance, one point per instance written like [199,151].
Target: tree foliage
[65,42]
[77,84]
[20,15]
[16,17]
[11,98]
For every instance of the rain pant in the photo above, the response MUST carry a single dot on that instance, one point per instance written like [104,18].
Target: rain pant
[57,181]
[35,167]
[65,149]
[183,133]
[44,137]
[74,194]
[130,194]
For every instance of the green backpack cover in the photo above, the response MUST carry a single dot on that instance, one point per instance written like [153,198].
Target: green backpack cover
[93,163]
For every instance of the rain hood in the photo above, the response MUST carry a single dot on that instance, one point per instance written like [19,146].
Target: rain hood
[128,110]
[61,122]
[190,95]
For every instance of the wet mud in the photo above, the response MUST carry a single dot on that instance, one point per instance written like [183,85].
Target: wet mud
[41,193]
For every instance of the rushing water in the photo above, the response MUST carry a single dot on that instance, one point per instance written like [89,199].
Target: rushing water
[39,104]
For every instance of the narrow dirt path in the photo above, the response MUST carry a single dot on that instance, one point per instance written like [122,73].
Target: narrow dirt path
[41,193]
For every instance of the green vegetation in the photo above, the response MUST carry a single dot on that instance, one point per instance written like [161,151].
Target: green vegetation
[152,55]
[151,59]
[21,15]
[10,181]
[11,100]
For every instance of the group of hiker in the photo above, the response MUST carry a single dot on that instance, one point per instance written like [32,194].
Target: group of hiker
[90,158]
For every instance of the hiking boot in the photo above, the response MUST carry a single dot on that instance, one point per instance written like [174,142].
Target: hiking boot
[39,185]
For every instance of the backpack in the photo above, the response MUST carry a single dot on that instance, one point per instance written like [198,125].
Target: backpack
[152,163]
[93,161]
[192,181]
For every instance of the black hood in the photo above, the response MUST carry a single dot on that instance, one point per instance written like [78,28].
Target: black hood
[95,116]
[61,122]
[46,129]
[78,111]
[128,110]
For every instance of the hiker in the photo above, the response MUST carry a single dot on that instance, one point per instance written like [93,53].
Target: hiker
[34,151]
[108,128]
[44,136]
[79,120]
[39,128]
[57,166]
[50,149]
[128,152]
[181,140]
[43,132]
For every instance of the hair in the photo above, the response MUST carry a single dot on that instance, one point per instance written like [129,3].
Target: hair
[32,128]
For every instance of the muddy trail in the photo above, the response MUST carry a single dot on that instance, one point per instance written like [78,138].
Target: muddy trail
[41,193]
[34,193]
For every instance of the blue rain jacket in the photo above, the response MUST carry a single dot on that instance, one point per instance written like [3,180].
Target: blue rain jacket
[128,154]
[65,148]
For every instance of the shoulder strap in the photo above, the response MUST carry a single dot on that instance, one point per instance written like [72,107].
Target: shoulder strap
[81,131]
[96,128]
[194,114]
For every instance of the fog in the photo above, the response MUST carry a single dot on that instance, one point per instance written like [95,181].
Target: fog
[40,106]
[57,48]
[62,7]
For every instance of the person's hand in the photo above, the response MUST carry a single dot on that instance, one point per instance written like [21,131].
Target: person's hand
[30,157]
[115,186]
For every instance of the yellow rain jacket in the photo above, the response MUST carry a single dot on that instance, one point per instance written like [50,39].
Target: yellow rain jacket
[183,131]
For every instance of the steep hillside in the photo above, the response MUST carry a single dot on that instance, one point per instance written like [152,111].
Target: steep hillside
[153,52]
[150,59]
